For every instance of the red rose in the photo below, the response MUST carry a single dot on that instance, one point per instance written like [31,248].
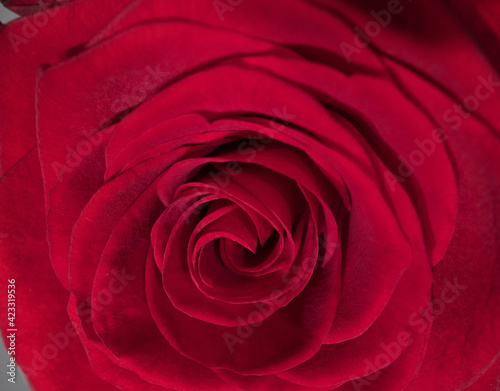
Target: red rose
[240,194]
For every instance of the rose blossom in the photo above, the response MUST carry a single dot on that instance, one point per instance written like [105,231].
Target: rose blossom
[225,195]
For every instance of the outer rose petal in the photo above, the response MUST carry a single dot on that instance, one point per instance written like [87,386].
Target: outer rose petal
[480,18]
[22,210]
[487,381]
[22,56]
[104,365]
[40,302]
[466,332]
